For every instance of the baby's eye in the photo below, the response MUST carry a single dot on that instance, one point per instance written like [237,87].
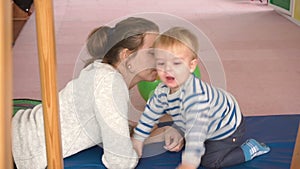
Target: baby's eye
[177,63]
[160,63]
[150,52]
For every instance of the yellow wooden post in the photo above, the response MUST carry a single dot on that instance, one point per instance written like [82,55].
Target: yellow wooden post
[47,62]
[5,83]
[296,13]
[296,155]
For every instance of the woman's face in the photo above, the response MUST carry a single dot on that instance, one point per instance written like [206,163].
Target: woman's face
[144,61]
[174,65]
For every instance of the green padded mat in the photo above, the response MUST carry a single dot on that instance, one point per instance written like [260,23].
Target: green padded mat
[24,104]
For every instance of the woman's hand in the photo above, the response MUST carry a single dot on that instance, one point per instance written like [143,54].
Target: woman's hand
[138,146]
[173,139]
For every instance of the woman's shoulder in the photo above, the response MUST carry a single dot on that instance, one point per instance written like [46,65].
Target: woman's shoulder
[100,67]
[100,70]
[105,73]
[94,74]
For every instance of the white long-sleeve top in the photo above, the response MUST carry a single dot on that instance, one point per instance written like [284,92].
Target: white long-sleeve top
[93,111]
[200,110]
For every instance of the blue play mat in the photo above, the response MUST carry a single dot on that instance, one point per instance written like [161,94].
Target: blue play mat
[277,131]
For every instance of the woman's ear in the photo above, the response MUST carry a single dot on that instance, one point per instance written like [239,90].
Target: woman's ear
[128,60]
[124,54]
[193,65]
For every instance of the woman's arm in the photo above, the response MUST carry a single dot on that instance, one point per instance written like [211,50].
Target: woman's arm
[111,105]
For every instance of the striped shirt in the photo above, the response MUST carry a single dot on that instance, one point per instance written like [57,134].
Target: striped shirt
[200,110]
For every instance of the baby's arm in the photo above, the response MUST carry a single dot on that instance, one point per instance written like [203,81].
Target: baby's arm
[148,121]
[138,146]
[196,126]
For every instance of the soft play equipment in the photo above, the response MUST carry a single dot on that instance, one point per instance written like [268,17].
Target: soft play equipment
[24,104]
[277,131]
[146,89]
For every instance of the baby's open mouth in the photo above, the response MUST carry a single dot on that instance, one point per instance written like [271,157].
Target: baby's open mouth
[170,78]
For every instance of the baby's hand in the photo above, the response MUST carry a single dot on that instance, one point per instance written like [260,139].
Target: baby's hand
[173,140]
[138,146]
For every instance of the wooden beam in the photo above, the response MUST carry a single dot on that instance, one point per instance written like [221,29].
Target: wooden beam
[296,155]
[5,83]
[47,62]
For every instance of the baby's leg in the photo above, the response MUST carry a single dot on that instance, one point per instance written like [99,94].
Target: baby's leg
[222,153]
[226,152]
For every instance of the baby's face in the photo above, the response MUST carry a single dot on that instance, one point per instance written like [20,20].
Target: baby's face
[174,65]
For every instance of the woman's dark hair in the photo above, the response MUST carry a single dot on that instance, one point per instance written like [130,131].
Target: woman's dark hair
[106,43]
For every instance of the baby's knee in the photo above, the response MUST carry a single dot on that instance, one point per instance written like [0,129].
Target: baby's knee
[211,165]
[211,162]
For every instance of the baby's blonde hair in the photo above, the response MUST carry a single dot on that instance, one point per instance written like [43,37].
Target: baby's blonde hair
[176,37]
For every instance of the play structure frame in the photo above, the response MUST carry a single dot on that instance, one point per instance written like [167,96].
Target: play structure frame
[47,67]
[47,63]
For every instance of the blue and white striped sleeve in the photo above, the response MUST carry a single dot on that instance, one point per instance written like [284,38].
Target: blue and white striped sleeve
[196,132]
[197,108]
[153,112]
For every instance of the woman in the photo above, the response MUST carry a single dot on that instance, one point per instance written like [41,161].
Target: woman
[93,107]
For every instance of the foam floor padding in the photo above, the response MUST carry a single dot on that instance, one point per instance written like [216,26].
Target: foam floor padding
[278,131]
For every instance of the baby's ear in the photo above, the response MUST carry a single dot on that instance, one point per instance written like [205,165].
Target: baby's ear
[193,65]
